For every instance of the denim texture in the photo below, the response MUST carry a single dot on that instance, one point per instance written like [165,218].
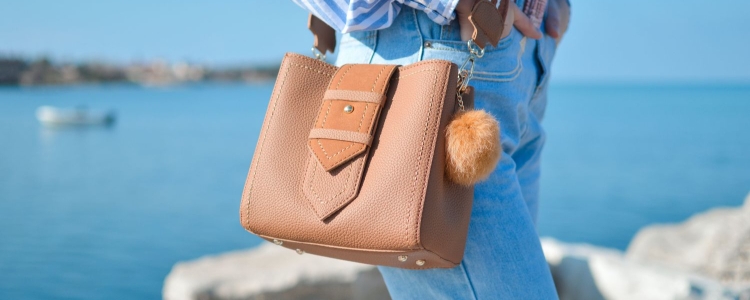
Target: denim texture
[503,257]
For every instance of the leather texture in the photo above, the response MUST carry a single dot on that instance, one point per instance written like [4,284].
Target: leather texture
[390,205]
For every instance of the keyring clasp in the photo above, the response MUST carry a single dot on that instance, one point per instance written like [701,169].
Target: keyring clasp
[465,74]
[318,55]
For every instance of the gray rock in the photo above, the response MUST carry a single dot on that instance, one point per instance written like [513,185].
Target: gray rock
[707,257]
[584,272]
[272,272]
[715,244]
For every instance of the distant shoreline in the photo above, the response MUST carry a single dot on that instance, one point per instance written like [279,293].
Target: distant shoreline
[44,72]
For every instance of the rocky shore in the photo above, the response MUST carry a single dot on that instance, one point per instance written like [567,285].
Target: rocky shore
[16,71]
[706,257]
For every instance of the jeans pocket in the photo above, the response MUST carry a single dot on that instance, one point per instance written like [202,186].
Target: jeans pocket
[356,48]
[544,54]
[501,63]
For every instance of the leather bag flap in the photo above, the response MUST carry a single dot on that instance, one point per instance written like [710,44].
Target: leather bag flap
[348,114]
[342,134]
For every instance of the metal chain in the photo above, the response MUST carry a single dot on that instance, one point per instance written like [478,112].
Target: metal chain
[464,74]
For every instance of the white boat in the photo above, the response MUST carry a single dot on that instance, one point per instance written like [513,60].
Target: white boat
[53,116]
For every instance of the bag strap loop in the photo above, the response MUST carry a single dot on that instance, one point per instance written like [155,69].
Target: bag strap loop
[352,95]
[341,135]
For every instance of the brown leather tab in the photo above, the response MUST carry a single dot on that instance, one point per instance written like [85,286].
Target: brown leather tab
[363,86]
[491,23]
[325,36]
[468,98]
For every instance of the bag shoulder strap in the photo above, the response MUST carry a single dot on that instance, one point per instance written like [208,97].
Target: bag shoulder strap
[325,36]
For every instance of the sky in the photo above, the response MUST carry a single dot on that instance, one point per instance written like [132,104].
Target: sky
[640,41]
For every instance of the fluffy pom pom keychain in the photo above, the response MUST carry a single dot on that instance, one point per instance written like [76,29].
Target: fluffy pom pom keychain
[472,141]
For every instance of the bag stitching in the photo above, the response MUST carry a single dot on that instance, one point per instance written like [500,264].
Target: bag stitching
[347,147]
[351,168]
[311,69]
[311,169]
[260,151]
[417,72]
[356,152]
[419,159]
[377,78]
[349,67]
[273,110]
[330,102]
[346,186]
[411,194]
[363,117]
[438,115]
[361,162]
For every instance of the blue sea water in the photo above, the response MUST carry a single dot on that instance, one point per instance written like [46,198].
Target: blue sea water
[104,213]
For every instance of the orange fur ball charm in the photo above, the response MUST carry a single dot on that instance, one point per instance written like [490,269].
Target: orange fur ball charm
[472,141]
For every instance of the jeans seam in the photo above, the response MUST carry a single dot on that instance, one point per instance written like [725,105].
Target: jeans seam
[419,33]
[373,40]
[447,49]
[516,72]
[468,279]
[544,69]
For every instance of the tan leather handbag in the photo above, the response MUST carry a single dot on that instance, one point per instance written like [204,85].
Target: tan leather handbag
[350,161]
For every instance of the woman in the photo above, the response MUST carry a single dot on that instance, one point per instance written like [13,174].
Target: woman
[503,257]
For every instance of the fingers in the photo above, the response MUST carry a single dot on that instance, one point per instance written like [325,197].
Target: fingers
[463,10]
[564,14]
[524,24]
[557,19]
[552,21]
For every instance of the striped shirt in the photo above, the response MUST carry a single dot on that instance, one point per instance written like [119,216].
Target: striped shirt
[357,15]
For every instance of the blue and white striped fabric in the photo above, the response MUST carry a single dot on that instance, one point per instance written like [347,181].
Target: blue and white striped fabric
[357,15]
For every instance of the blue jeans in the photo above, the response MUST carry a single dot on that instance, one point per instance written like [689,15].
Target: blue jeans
[503,257]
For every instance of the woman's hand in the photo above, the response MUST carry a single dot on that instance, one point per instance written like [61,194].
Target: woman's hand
[557,19]
[521,21]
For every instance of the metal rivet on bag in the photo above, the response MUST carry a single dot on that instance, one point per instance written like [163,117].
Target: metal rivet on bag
[420,262]
[402,258]
[348,109]
[277,242]
[300,252]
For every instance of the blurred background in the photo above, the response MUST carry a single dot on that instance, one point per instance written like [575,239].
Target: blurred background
[648,122]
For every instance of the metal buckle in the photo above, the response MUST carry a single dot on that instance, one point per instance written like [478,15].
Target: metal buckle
[318,55]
